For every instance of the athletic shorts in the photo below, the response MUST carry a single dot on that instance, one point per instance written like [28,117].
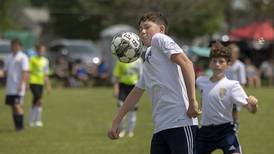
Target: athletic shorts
[124,90]
[37,92]
[214,137]
[12,100]
[181,140]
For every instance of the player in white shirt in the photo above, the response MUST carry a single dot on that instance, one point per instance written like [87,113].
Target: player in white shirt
[16,71]
[169,79]
[236,71]
[218,96]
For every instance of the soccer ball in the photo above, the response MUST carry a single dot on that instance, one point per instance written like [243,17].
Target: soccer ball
[126,46]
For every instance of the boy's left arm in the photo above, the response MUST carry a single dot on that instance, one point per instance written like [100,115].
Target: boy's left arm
[189,77]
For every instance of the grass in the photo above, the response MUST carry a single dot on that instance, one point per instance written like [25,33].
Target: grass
[76,122]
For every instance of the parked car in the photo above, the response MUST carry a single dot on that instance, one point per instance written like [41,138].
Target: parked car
[83,50]
[73,51]
[4,49]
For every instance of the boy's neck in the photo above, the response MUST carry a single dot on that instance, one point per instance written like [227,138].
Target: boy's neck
[217,77]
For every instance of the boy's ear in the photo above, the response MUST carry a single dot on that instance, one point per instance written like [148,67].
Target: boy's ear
[162,28]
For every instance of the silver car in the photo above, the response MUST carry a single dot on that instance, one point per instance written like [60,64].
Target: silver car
[83,50]
[4,49]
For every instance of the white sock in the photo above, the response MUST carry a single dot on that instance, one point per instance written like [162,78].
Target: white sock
[131,120]
[31,115]
[38,113]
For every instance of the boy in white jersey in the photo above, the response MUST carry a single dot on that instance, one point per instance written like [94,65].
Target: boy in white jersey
[168,77]
[218,96]
[16,70]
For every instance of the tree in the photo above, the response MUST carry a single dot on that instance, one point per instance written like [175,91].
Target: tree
[8,14]
[84,18]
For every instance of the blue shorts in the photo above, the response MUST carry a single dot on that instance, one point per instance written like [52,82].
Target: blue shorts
[12,100]
[215,137]
[180,140]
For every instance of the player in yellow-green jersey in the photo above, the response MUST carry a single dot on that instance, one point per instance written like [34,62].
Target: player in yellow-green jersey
[126,76]
[39,71]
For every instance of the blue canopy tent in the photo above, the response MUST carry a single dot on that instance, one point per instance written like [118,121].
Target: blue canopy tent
[200,51]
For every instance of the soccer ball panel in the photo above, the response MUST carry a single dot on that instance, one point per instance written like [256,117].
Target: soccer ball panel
[130,53]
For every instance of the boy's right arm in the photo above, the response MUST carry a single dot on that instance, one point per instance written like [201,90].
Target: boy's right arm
[131,100]
[252,104]
[189,77]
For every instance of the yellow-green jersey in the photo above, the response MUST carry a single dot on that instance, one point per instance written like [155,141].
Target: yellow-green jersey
[128,73]
[39,68]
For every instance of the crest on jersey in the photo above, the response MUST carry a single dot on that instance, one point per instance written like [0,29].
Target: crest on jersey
[222,92]
[148,56]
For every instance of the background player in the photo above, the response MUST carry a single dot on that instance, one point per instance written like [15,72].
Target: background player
[126,76]
[39,70]
[16,70]
[218,96]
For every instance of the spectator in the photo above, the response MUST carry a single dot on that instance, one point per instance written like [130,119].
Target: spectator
[101,76]
[61,71]
[252,74]
[267,70]
[80,72]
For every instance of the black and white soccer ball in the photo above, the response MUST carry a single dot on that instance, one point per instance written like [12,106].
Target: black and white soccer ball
[126,46]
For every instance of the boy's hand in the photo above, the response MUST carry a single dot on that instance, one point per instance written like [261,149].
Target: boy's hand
[19,88]
[113,133]
[193,109]
[252,104]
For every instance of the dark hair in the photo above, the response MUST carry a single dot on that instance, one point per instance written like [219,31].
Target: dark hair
[38,46]
[219,51]
[156,17]
[16,41]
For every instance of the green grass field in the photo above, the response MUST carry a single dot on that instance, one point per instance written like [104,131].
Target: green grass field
[76,122]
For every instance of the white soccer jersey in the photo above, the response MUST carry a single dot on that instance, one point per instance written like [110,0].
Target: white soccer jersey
[237,72]
[218,99]
[14,65]
[164,82]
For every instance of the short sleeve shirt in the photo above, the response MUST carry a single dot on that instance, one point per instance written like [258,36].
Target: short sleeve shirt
[39,68]
[165,85]
[237,72]
[218,99]
[14,66]
[128,73]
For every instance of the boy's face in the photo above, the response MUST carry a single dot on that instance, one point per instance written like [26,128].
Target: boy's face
[235,54]
[147,29]
[41,51]
[15,47]
[218,64]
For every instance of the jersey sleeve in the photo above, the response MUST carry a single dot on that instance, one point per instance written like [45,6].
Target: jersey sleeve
[198,82]
[238,94]
[165,44]
[6,63]
[242,74]
[46,68]
[25,63]
[141,83]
